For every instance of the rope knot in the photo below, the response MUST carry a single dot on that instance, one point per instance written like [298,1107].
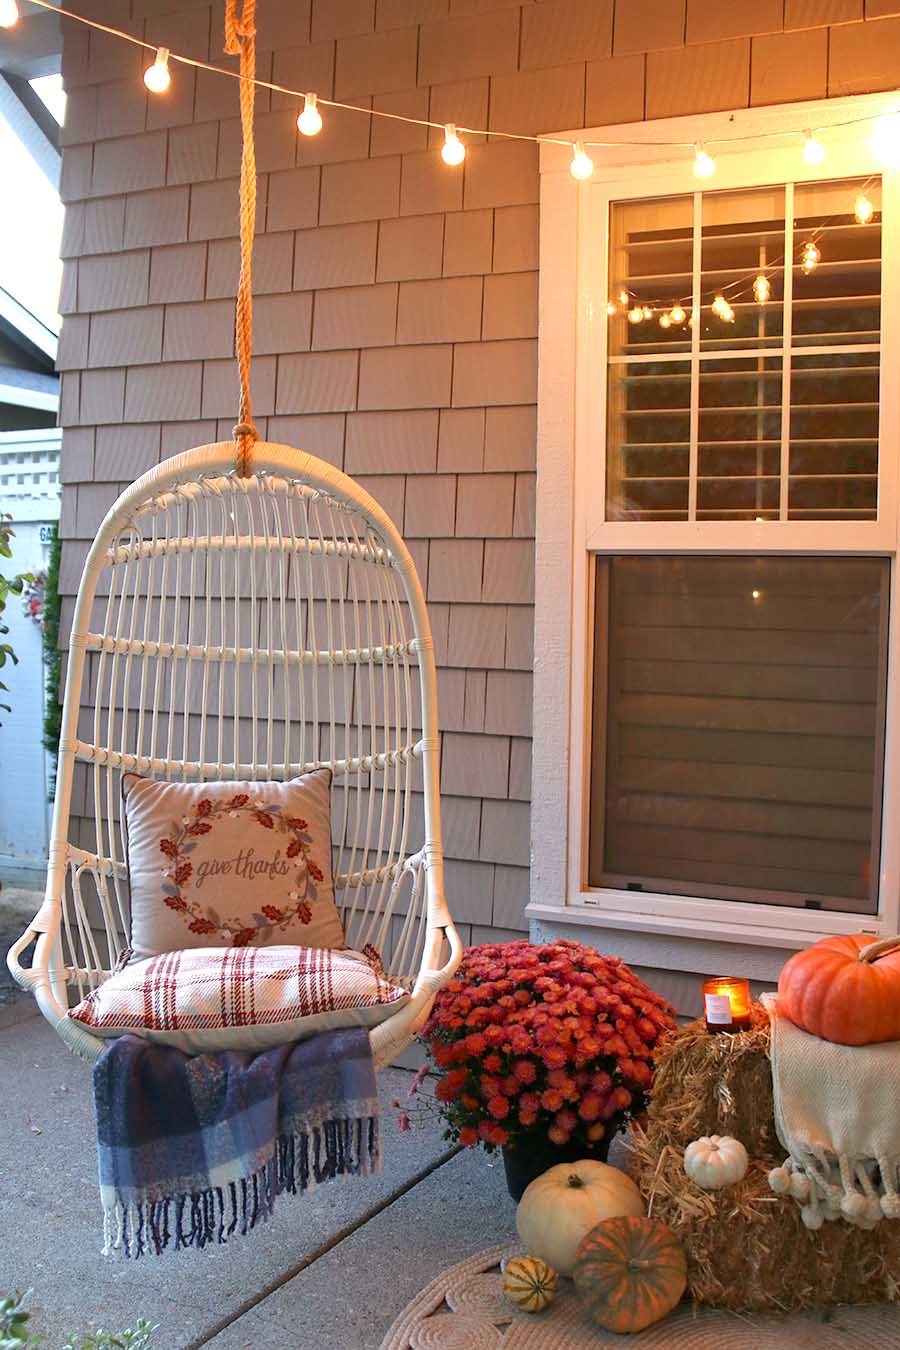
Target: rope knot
[245,437]
[237,29]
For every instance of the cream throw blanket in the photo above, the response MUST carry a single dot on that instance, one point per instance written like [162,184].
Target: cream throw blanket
[837,1112]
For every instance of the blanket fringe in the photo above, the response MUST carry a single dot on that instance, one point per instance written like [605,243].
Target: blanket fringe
[828,1188]
[301,1160]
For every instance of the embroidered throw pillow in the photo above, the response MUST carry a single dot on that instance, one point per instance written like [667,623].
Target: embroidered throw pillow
[230,864]
[244,998]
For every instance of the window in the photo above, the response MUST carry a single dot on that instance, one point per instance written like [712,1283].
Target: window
[718,531]
[759,399]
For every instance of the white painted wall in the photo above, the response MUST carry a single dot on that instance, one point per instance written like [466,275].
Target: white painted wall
[29,492]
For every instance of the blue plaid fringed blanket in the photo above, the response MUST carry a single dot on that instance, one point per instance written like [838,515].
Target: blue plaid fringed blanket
[195,1149]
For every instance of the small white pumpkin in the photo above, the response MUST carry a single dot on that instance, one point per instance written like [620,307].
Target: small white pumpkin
[715,1160]
[566,1202]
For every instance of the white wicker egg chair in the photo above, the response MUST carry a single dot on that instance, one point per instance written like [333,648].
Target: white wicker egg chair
[232,627]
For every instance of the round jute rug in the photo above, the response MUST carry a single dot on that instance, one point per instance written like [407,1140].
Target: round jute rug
[464,1309]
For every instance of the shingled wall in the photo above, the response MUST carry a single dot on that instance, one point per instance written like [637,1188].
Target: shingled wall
[396,311]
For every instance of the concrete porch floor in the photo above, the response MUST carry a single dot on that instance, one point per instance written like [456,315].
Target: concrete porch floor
[330,1271]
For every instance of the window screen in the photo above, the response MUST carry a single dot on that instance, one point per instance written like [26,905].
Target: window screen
[738,727]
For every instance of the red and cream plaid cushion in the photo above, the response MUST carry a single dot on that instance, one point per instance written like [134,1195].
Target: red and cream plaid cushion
[240,998]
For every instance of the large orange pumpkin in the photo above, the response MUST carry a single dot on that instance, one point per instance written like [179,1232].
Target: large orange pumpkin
[629,1273]
[845,989]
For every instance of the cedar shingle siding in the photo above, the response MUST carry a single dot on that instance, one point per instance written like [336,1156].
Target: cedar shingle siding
[397,314]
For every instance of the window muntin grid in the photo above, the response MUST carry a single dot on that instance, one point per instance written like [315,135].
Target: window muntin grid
[799,437]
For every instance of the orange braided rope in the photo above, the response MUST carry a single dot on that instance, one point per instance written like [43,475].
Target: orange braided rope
[240,38]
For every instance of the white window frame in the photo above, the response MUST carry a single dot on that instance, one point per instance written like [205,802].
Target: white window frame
[571,530]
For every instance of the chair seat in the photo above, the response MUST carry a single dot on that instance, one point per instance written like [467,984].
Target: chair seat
[240,998]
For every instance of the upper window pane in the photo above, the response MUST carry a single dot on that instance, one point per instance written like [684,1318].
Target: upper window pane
[651,265]
[834,436]
[713,412]
[739,438]
[838,301]
[742,238]
[648,447]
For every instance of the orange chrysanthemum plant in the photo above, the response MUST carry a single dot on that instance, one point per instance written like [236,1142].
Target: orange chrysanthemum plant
[553,1039]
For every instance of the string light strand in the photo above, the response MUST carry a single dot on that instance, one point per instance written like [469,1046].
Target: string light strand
[886,131]
[752,282]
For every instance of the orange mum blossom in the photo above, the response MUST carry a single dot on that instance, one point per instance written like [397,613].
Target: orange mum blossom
[556,1040]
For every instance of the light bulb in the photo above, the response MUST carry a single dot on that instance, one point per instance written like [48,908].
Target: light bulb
[761,289]
[665,320]
[623,297]
[704,164]
[863,209]
[582,165]
[157,77]
[635,315]
[676,314]
[813,150]
[810,257]
[9,13]
[721,307]
[452,151]
[885,142]
[612,309]
[309,123]
[647,312]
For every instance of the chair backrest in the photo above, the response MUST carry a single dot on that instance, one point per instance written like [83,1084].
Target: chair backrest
[233,628]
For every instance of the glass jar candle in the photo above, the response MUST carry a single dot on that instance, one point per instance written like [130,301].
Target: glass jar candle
[726,1004]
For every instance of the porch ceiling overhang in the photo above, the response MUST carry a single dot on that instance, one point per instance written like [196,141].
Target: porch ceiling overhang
[34,339]
[27,389]
[34,46]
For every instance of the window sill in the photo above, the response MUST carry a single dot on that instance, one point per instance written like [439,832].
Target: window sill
[711,945]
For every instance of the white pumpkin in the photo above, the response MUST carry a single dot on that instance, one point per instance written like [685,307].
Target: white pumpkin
[715,1160]
[566,1202]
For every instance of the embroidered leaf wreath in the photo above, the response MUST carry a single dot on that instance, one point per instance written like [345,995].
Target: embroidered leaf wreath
[181,841]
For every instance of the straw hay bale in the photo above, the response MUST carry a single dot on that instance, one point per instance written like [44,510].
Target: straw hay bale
[747,1249]
[716,1085]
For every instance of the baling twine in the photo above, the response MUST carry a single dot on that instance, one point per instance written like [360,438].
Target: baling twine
[240,39]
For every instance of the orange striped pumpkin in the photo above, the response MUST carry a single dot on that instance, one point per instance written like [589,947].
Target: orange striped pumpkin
[629,1273]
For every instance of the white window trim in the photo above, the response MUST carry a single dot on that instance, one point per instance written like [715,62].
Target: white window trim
[571,483]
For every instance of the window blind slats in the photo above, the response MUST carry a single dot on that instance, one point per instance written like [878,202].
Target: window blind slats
[726,457]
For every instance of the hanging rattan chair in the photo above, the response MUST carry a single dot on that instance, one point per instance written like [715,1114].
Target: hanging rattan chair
[253,627]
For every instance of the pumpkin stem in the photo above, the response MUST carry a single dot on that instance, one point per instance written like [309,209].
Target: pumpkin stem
[636,1263]
[574,1180]
[876,949]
